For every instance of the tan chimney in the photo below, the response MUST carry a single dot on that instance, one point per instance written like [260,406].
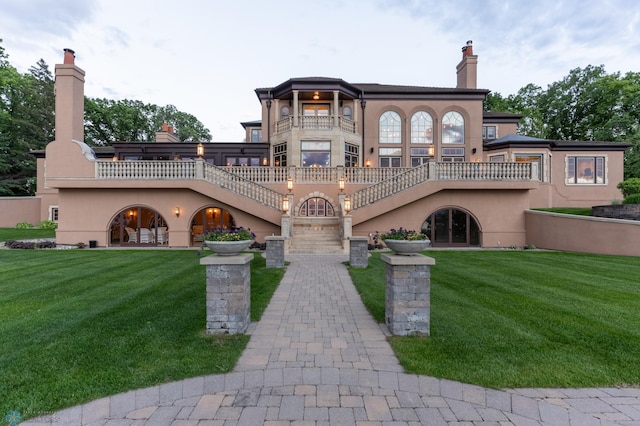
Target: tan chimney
[467,69]
[69,85]
[166,134]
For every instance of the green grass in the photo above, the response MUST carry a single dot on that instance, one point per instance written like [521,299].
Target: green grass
[25,234]
[581,211]
[77,325]
[523,318]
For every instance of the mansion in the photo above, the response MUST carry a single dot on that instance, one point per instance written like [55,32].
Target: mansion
[327,160]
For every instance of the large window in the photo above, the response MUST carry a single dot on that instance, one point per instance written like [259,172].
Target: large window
[420,156]
[351,155]
[316,207]
[280,155]
[256,135]
[389,157]
[421,127]
[531,158]
[489,132]
[390,128]
[316,153]
[453,128]
[453,155]
[585,170]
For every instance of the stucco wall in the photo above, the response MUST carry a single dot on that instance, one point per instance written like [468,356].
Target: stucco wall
[585,234]
[14,210]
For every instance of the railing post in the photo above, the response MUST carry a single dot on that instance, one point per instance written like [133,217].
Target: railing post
[199,168]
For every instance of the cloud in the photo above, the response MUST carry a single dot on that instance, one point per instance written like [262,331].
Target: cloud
[57,18]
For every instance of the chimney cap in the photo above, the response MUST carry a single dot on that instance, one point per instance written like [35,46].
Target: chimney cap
[69,56]
[469,42]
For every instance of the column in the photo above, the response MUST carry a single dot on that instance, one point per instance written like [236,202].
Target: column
[275,251]
[228,293]
[359,252]
[407,300]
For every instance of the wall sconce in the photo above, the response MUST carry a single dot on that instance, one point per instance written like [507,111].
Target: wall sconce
[265,162]
[371,150]
[176,211]
[130,213]
[289,184]
[367,163]
[431,151]
[341,184]
[115,158]
[285,205]
[474,150]
[200,150]
[316,96]
[347,205]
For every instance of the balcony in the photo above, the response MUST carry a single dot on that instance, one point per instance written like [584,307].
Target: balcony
[315,123]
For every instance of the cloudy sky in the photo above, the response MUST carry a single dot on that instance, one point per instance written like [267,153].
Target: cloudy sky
[207,57]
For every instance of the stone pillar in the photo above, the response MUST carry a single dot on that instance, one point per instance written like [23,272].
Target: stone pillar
[275,251]
[407,300]
[228,293]
[359,252]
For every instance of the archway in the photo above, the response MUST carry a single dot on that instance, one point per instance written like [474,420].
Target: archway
[316,207]
[138,226]
[207,219]
[452,227]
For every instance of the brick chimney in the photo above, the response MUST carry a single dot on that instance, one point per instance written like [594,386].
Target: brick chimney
[165,134]
[467,69]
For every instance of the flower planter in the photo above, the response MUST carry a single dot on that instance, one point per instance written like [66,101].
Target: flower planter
[407,247]
[228,248]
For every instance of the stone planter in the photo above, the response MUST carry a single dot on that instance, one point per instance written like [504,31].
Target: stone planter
[228,248]
[407,247]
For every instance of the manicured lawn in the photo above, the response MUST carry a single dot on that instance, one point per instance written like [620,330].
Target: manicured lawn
[25,234]
[523,318]
[76,325]
[581,211]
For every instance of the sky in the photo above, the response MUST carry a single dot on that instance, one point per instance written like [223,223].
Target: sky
[207,57]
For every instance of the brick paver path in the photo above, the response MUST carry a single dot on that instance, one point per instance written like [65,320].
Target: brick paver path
[318,358]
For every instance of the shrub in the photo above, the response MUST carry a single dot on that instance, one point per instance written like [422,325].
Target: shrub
[629,186]
[24,225]
[47,224]
[30,245]
[632,199]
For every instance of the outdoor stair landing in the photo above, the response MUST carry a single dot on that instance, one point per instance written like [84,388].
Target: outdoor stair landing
[315,235]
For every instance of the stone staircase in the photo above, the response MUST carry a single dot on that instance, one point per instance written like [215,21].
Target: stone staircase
[315,235]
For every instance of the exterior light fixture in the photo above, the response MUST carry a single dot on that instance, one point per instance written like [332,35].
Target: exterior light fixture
[341,184]
[316,96]
[130,213]
[367,163]
[285,205]
[265,161]
[176,211]
[347,205]
[289,184]
[115,158]
[431,151]
[200,150]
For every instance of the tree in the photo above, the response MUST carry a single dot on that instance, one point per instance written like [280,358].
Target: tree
[108,121]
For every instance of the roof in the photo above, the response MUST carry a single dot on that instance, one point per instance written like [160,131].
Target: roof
[519,141]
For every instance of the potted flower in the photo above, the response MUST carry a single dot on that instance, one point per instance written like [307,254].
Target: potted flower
[227,242]
[404,241]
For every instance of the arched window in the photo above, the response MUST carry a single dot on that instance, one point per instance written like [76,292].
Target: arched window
[316,207]
[346,113]
[284,112]
[421,127]
[390,128]
[208,219]
[138,225]
[453,128]
[452,227]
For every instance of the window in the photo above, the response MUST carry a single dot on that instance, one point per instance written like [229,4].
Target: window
[497,158]
[421,127]
[280,155]
[351,155]
[452,154]
[420,156]
[585,170]
[453,128]
[389,157]
[390,127]
[53,213]
[284,112]
[316,207]
[489,132]
[531,158]
[316,153]
[256,135]
[346,113]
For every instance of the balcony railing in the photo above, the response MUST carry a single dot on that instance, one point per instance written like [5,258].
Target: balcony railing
[315,123]
[249,181]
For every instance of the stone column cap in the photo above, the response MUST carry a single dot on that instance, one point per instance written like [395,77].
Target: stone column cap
[237,259]
[358,238]
[275,238]
[414,259]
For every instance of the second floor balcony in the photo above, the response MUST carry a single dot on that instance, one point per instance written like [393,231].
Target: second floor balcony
[305,122]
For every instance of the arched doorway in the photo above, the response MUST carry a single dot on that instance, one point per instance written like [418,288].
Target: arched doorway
[316,207]
[138,226]
[207,219]
[452,227]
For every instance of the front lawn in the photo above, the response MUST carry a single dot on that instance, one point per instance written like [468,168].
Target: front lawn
[523,318]
[77,325]
[25,234]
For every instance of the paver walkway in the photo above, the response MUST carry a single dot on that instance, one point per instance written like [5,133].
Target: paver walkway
[318,358]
